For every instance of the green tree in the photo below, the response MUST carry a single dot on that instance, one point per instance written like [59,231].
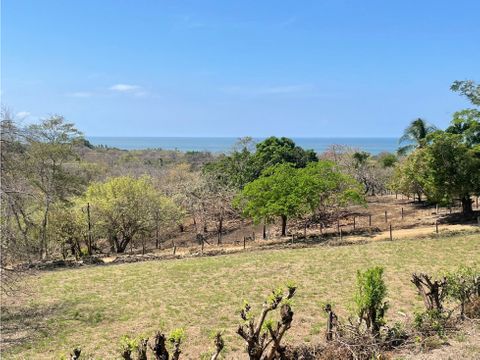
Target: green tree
[274,194]
[387,160]
[466,123]
[51,166]
[415,136]
[126,208]
[235,169]
[273,150]
[453,170]
[469,89]
[285,191]
[411,175]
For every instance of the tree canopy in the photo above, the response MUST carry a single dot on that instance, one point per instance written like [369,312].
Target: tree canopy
[288,192]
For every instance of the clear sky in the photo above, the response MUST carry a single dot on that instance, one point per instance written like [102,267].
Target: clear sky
[235,68]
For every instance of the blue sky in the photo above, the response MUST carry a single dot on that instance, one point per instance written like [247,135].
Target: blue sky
[235,68]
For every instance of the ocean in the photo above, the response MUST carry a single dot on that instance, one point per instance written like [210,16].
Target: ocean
[225,144]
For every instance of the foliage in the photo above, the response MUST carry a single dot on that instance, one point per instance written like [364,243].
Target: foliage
[273,151]
[469,89]
[462,285]
[387,160]
[127,207]
[235,169]
[286,192]
[415,136]
[369,298]
[432,322]
[466,123]
[243,165]
[411,176]
[453,169]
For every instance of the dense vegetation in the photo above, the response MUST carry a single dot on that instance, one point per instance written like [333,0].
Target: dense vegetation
[62,196]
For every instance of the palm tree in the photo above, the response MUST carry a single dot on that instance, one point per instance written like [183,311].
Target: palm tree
[415,136]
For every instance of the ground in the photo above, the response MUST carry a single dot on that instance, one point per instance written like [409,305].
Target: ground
[94,306]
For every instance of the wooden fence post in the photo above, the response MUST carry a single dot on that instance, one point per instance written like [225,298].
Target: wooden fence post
[436,226]
[174,249]
[402,213]
[244,242]
[386,216]
[354,223]
[331,322]
[341,234]
[369,219]
[391,237]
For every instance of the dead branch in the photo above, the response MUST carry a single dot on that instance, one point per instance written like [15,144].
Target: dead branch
[432,292]
[219,344]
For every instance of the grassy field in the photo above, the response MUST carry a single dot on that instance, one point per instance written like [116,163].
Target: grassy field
[94,306]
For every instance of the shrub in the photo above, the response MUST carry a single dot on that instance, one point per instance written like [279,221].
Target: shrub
[369,298]
[262,336]
[461,286]
[432,322]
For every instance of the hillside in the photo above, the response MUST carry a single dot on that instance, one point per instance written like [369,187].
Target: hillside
[94,306]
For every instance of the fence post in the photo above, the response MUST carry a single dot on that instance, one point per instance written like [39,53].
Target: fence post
[174,249]
[203,244]
[436,226]
[402,213]
[341,234]
[338,226]
[354,223]
[386,216]
[244,242]
[391,237]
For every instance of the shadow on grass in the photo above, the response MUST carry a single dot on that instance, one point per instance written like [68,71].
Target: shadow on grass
[25,325]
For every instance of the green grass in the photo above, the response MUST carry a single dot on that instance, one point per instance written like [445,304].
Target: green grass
[94,306]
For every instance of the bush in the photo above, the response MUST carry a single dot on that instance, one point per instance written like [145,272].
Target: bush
[461,286]
[369,295]
[432,322]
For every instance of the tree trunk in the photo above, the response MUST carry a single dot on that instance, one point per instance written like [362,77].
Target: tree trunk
[467,205]
[44,230]
[284,225]
[89,233]
[220,229]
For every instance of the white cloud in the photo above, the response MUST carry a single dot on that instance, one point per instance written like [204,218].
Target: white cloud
[22,115]
[125,88]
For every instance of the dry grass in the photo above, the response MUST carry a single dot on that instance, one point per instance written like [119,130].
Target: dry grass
[94,306]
